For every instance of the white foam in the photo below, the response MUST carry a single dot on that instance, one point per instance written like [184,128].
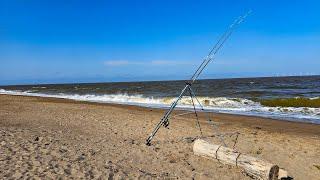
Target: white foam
[215,104]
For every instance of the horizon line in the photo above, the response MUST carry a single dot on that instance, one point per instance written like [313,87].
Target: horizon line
[141,81]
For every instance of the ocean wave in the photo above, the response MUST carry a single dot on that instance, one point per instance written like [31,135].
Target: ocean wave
[216,104]
[208,102]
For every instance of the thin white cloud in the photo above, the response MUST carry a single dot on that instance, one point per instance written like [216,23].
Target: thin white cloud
[152,63]
[165,62]
[116,63]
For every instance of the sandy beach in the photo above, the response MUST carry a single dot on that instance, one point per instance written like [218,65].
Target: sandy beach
[50,138]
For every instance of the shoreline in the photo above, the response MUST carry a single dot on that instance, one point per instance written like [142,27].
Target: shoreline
[270,124]
[294,115]
[50,138]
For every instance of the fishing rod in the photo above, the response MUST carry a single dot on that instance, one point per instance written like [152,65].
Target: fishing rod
[218,45]
[221,41]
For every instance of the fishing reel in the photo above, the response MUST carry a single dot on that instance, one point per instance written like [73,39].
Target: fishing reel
[166,124]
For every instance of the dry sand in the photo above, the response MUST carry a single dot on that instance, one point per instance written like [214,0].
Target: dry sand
[55,138]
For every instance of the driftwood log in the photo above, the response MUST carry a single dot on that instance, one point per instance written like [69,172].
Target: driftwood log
[253,166]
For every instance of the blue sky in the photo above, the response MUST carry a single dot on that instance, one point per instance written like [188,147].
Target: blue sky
[94,41]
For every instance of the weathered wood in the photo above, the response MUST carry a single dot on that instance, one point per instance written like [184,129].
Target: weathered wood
[283,174]
[253,166]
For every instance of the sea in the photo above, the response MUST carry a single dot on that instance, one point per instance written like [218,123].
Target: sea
[282,98]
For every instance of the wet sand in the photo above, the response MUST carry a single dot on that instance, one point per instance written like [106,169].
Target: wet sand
[56,138]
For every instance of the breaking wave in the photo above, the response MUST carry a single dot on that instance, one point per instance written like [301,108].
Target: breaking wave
[214,104]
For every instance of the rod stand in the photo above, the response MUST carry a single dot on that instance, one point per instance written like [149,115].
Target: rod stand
[165,119]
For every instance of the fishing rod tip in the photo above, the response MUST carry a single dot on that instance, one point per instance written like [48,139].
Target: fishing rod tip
[249,12]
